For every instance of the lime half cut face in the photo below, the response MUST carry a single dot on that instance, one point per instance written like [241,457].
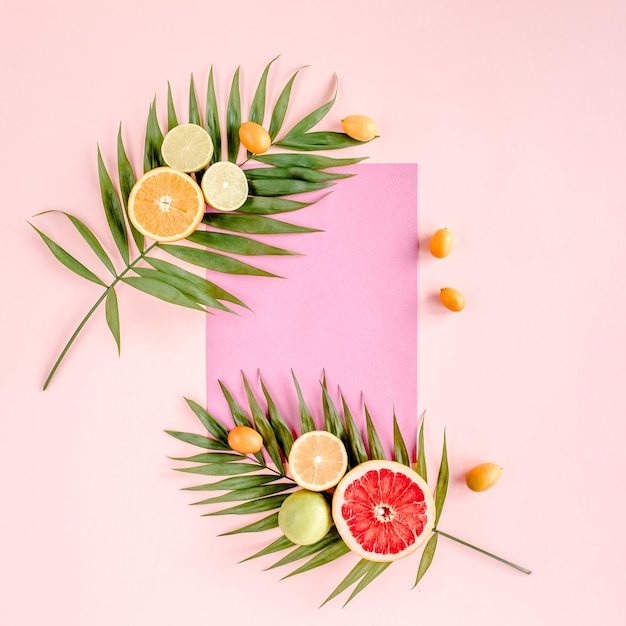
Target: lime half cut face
[225,186]
[187,148]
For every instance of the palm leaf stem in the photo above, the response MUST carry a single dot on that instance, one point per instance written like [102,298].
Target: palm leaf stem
[489,554]
[92,311]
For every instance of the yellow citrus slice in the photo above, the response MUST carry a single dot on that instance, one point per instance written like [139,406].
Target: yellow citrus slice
[166,204]
[318,460]
[187,148]
[225,186]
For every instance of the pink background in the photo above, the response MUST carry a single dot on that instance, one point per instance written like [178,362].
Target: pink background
[515,115]
[348,308]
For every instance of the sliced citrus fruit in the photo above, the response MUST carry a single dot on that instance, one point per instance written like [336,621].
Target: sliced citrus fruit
[383,510]
[225,186]
[166,204]
[187,148]
[318,460]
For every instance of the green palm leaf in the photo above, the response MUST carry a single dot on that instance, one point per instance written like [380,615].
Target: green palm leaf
[253,224]
[154,140]
[427,558]
[252,493]
[317,141]
[90,238]
[282,543]
[283,435]
[373,441]
[422,469]
[332,421]
[161,290]
[194,111]
[400,453]
[198,440]
[236,482]
[213,261]
[313,118]
[209,457]
[302,552]
[310,161]
[356,573]
[356,448]
[208,421]
[264,428]
[127,181]
[255,506]
[215,469]
[67,259]
[188,289]
[374,570]
[267,523]
[280,108]
[212,120]
[235,244]
[172,119]
[113,210]
[239,415]
[331,552]
[264,205]
[112,315]
[294,172]
[233,119]
[283,186]
[257,109]
[201,283]
[442,481]
[306,419]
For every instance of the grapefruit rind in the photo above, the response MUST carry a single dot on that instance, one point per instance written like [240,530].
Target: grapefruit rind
[383,510]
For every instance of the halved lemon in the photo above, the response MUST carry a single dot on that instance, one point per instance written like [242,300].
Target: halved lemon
[318,460]
[166,204]
[187,148]
[225,186]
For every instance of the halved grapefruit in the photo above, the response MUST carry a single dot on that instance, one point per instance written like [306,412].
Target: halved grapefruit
[383,510]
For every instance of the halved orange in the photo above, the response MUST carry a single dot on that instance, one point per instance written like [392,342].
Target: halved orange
[318,460]
[166,204]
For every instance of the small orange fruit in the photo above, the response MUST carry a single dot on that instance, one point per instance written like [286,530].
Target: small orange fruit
[254,137]
[452,299]
[441,243]
[245,440]
[359,127]
[483,476]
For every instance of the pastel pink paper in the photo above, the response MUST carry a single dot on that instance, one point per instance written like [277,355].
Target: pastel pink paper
[347,308]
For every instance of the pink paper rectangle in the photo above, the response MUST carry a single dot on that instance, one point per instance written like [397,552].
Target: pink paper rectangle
[347,309]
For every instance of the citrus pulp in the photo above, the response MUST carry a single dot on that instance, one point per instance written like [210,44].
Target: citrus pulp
[166,204]
[187,148]
[383,510]
[317,460]
[225,186]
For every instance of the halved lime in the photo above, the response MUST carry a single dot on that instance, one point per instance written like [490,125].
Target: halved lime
[187,148]
[225,186]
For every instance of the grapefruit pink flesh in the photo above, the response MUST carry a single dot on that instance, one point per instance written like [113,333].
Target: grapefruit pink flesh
[383,511]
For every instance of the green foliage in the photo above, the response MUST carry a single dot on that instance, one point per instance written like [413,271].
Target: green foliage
[284,174]
[259,484]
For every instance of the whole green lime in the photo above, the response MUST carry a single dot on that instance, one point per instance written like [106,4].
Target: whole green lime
[304,517]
